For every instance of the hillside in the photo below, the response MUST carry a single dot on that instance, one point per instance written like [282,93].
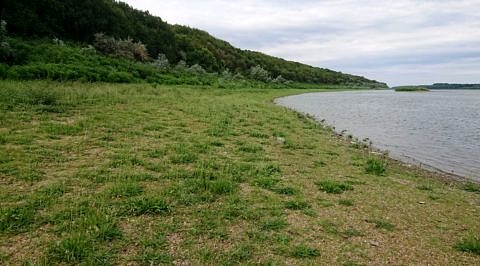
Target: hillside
[79,21]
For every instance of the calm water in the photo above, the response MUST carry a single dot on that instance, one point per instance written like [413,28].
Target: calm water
[437,128]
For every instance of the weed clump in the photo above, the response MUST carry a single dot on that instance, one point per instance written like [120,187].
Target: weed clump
[128,189]
[333,187]
[375,166]
[297,205]
[382,224]
[472,187]
[16,219]
[302,251]
[146,205]
[346,202]
[470,243]
[275,224]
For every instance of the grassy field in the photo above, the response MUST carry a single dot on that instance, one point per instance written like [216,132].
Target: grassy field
[100,174]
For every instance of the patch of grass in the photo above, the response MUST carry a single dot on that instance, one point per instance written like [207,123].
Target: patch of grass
[221,186]
[297,205]
[333,187]
[146,205]
[31,174]
[375,166]
[319,163]
[274,224]
[382,224]
[16,219]
[157,153]
[427,187]
[154,257]
[470,244]
[241,253]
[183,158]
[266,182]
[125,190]
[62,129]
[257,134]
[303,251]
[250,148]
[217,143]
[3,138]
[285,191]
[352,263]
[71,250]
[329,227]
[350,232]
[471,187]
[346,202]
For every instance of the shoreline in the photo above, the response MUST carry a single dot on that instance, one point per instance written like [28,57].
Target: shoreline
[405,161]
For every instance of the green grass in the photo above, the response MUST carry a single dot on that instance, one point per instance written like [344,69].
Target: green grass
[302,251]
[107,174]
[375,166]
[470,243]
[382,224]
[333,187]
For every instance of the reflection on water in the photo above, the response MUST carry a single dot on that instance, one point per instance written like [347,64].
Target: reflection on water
[437,128]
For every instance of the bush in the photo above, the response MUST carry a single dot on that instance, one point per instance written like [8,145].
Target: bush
[197,69]
[279,80]
[181,66]
[127,48]
[6,53]
[121,77]
[258,73]
[161,62]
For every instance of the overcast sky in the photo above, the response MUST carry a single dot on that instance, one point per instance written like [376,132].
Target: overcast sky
[400,42]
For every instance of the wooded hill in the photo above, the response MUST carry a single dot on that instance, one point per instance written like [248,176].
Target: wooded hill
[79,21]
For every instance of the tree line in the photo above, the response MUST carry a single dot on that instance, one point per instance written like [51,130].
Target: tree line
[80,21]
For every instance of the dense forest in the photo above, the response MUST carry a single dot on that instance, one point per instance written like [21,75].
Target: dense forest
[79,22]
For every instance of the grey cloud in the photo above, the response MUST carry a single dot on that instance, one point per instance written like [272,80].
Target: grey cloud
[383,40]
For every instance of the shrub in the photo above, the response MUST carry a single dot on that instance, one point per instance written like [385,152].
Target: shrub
[181,66]
[161,62]
[127,48]
[258,73]
[197,69]
[6,53]
[279,80]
